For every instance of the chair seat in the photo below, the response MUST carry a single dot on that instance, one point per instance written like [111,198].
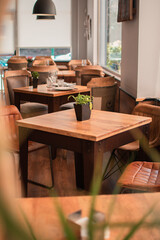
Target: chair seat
[31,109]
[67,106]
[143,176]
[133,146]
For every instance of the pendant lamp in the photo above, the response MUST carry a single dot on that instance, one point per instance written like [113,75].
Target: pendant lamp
[44,8]
[46,17]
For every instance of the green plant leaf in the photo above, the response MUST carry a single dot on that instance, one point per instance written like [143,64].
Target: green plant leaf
[82,99]
[69,234]
[35,75]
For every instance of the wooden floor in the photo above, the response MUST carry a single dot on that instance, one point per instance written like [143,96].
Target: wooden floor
[64,175]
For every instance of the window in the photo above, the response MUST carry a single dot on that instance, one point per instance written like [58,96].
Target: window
[57,53]
[110,36]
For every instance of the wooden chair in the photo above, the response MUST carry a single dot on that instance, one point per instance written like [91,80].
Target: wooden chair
[80,69]
[104,92]
[17,63]
[87,75]
[44,72]
[16,79]
[74,63]
[141,109]
[18,57]
[43,62]
[104,97]
[141,176]
[43,57]
[8,117]
[101,82]
[88,67]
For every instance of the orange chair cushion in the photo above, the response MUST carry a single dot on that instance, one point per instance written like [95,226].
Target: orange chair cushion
[133,146]
[143,176]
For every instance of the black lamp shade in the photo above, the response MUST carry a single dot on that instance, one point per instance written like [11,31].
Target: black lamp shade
[44,8]
[46,17]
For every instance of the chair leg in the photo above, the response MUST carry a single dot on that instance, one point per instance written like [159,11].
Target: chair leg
[15,175]
[39,184]
[51,155]
[105,173]
[126,190]
[118,161]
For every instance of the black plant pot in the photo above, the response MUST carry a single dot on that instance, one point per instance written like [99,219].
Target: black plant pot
[83,111]
[35,82]
[29,64]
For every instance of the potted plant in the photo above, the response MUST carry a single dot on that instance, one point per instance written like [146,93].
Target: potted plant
[35,76]
[82,106]
[30,60]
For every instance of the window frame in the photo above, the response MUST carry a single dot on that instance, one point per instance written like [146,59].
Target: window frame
[101,14]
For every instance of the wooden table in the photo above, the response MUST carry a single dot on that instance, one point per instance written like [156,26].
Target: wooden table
[128,208]
[89,139]
[41,95]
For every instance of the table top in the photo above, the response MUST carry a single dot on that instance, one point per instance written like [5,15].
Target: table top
[42,90]
[127,208]
[101,125]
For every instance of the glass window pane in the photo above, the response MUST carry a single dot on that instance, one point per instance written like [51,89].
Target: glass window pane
[110,48]
[57,53]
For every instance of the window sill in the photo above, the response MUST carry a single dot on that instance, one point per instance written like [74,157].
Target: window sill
[112,73]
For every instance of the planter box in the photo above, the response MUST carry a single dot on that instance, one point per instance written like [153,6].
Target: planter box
[83,111]
[35,82]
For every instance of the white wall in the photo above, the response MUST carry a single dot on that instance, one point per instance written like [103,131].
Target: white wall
[141,51]
[129,64]
[149,49]
[44,33]
[7,35]
[7,45]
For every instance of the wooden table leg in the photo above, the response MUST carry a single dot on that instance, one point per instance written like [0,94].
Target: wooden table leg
[144,142]
[17,100]
[92,162]
[53,105]
[79,168]
[23,159]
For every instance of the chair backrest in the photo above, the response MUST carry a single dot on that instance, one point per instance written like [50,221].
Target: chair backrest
[89,67]
[87,75]
[8,116]
[17,63]
[74,63]
[15,79]
[44,72]
[43,62]
[17,57]
[104,97]
[101,82]
[43,57]
[152,111]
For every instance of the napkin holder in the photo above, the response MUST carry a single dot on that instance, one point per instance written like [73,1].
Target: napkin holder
[78,224]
